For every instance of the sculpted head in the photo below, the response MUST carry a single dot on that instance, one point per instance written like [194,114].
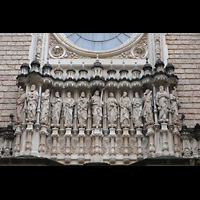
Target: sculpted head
[57,94]
[47,91]
[161,88]
[33,87]
[97,93]
[111,94]
[69,94]
[137,95]
[21,91]
[147,91]
[124,94]
[82,94]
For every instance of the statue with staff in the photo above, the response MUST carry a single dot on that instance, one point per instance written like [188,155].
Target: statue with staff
[97,104]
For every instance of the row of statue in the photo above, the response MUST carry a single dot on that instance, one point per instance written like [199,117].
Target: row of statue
[140,108]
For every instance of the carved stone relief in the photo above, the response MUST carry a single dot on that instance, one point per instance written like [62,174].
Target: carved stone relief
[138,50]
[97,121]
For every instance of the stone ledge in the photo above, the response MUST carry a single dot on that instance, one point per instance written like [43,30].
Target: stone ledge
[28,161]
[168,161]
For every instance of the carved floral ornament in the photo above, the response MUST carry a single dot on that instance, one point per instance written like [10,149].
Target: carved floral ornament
[98,121]
[59,50]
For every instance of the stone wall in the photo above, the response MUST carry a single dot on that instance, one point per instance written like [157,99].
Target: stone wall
[14,50]
[184,53]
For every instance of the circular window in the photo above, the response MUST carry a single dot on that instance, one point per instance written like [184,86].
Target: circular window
[103,44]
[98,41]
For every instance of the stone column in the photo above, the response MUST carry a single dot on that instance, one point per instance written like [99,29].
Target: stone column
[25,107]
[54,135]
[139,143]
[89,115]
[154,105]
[126,135]
[43,134]
[37,124]
[29,132]
[105,121]
[170,125]
[112,136]
[96,135]
[18,133]
[164,131]
[176,135]
[157,135]
[68,136]
[150,133]
[75,121]
[119,130]
[81,135]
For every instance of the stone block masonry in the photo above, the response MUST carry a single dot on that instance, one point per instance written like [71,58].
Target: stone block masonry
[184,53]
[14,51]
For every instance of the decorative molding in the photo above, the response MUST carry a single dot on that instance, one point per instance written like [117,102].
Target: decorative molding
[123,51]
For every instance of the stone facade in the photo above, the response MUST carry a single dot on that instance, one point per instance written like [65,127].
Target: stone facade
[116,107]
[14,51]
[184,53]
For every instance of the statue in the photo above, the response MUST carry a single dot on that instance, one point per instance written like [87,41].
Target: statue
[162,103]
[147,111]
[82,109]
[68,105]
[96,108]
[137,110]
[125,106]
[45,107]
[112,110]
[56,108]
[32,99]
[20,106]
[174,106]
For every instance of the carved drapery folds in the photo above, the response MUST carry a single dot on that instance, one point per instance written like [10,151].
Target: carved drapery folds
[99,118]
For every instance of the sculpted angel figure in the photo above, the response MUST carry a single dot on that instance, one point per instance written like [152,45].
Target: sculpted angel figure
[147,111]
[162,99]
[20,106]
[112,110]
[45,107]
[56,108]
[125,105]
[68,106]
[96,108]
[82,109]
[137,110]
[32,99]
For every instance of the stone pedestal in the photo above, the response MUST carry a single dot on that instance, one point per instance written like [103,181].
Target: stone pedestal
[176,135]
[68,135]
[96,135]
[150,133]
[112,136]
[139,143]
[18,133]
[29,132]
[164,131]
[54,135]
[126,135]
[81,135]
[43,134]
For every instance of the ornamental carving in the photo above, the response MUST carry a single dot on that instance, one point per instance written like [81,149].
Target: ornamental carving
[61,48]
[95,119]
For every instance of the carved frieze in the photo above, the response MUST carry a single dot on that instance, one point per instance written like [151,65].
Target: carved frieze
[98,117]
